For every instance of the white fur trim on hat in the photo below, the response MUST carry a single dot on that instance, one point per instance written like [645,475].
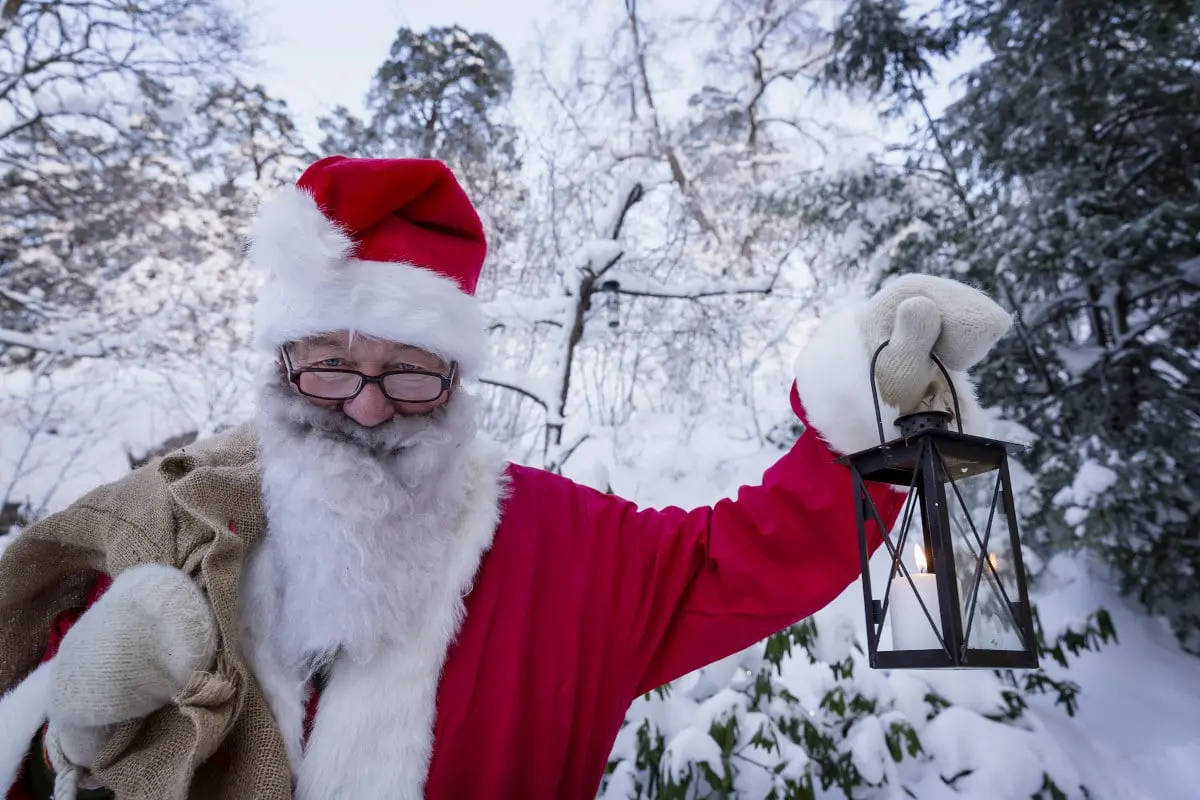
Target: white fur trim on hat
[314,287]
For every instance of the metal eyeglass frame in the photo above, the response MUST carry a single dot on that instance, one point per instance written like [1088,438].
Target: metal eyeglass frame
[294,378]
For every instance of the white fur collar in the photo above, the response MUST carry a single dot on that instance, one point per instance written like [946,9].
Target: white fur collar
[22,711]
[373,733]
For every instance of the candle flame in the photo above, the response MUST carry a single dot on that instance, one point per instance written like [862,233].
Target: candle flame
[995,562]
[919,555]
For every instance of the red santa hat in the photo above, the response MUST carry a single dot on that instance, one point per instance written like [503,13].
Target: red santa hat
[389,248]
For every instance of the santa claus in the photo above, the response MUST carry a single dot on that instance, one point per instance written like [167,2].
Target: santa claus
[355,596]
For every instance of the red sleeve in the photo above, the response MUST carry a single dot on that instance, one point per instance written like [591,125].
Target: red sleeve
[58,630]
[709,582]
[63,622]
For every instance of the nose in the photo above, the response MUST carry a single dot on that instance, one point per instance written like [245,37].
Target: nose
[370,408]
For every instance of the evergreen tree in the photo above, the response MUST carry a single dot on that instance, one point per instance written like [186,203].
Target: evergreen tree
[442,94]
[1063,180]
[246,138]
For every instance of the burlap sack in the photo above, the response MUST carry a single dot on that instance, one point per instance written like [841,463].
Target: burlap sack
[198,509]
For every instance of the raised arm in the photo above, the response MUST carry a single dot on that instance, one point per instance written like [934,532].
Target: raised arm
[719,579]
[702,584]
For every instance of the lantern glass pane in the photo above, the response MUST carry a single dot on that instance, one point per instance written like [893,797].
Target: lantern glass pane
[984,562]
[949,590]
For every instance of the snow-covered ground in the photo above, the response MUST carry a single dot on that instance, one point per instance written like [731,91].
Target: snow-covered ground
[1138,725]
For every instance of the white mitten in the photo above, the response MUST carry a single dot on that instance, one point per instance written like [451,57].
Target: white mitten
[126,657]
[923,314]
[917,315]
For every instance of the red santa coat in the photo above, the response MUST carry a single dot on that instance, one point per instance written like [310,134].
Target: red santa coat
[584,602]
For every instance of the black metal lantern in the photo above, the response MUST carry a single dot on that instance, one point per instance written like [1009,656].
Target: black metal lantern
[966,605]
[611,302]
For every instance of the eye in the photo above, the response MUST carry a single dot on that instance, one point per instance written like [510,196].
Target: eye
[330,362]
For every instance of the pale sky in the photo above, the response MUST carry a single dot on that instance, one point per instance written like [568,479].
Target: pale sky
[316,54]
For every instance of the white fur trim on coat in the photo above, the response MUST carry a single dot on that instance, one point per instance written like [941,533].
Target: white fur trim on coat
[313,286]
[373,732]
[833,381]
[23,710]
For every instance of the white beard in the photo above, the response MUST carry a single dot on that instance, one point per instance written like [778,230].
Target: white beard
[361,526]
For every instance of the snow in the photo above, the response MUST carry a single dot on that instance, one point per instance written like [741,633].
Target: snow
[1140,697]
[540,390]
[514,311]
[1092,480]
[1173,376]
[692,745]
[609,217]
[598,254]
[868,750]
[1190,270]
[57,440]
[69,99]
[1075,515]
[985,753]
[42,343]
[1080,358]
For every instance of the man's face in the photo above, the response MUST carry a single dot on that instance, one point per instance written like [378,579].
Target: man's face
[416,391]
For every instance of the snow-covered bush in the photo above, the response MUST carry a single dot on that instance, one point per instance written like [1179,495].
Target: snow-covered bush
[802,716]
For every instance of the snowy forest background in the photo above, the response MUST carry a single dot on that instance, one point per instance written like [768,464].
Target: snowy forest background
[673,198]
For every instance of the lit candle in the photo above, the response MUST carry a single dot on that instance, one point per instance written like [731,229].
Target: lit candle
[910,628]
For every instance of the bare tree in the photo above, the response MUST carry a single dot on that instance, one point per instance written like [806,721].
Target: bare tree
[704,281]
[64,65]
[593,282]
[93,97]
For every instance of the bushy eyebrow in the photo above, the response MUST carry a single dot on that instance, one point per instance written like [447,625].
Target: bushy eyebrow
[306,345]
[400,364]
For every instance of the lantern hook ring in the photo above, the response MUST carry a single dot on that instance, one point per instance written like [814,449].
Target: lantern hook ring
[875,391]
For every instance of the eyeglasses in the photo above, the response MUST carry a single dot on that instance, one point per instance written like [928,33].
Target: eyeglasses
[401,386]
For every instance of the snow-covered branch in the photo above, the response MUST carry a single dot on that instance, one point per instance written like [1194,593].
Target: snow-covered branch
[1190,270]
[539,391]
[507,310]
[564,453]
[624,198]
[47,345]
[597,257]
[692,193]
[26,302]
[694,290]
[566,312]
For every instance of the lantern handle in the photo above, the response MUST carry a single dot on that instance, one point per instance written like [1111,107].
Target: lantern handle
[875,391]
